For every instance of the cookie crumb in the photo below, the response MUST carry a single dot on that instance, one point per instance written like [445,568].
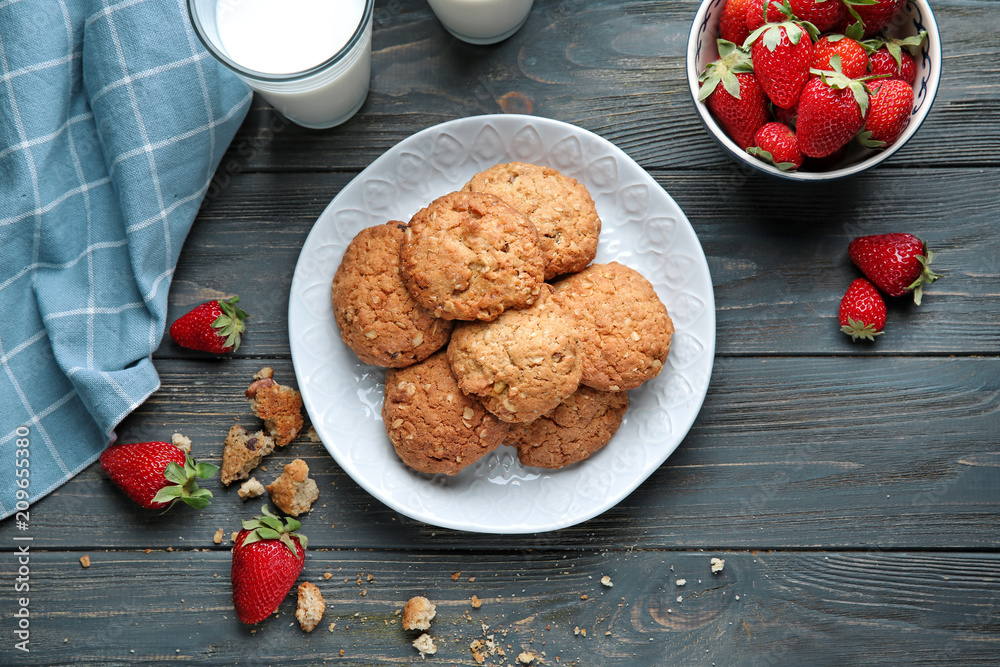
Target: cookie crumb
[425,645]
[606,580]
[217,538]
[526,658]
[717,565]
[681,582]
[311,606]
[181,442]
[418,613]
[455,576]
[85,560]
[476,602]
[251,488]
[328,575]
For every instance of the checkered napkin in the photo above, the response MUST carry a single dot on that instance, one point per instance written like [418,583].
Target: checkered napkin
[113,119]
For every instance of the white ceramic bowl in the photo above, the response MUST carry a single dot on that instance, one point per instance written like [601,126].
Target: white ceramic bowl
[916,16]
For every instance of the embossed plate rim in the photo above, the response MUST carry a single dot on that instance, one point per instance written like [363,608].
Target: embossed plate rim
[496,495]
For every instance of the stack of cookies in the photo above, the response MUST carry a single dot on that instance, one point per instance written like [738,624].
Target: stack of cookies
[494,325]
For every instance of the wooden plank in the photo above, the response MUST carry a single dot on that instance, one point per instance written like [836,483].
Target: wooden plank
[852,452]
[778,269]
[788,608]
[610,66]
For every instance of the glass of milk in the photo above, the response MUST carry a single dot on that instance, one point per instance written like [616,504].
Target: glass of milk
[311,59]
[482,21]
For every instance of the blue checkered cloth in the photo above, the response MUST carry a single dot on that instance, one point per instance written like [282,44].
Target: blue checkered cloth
[113,119]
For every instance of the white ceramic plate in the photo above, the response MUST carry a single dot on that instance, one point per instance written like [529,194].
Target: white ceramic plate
[642,228]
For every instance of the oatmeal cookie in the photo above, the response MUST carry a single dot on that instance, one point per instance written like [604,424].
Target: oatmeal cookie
[560,207]
[278,405]
[469,256]
[523,364]
[577,428]
[375,313]
[433,426]
[624,328]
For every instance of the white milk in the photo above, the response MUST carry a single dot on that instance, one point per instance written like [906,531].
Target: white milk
[482,21]
[272,38]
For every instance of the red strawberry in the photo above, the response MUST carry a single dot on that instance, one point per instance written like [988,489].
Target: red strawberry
[891,104]
[824,14]
[904,68]
[268,556]
[874,15]
[776,143]
[157,474]
[862,311]
[782,54]
[214,326]
[898,263]
[832,110]
[853,57]
[733,21]
[733,94]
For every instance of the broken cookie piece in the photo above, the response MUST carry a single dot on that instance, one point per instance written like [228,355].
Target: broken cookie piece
[243,452]
[181,442]
[251,489]
[418,613]
[425,645]
[294,492]
[311,606]
[278,405]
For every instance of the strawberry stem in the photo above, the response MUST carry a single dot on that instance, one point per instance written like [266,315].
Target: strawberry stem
[270,527]
[231,323]
[926,278]
[858,329]
[185,484]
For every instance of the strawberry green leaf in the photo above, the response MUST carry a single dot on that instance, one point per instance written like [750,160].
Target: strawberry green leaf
[251,538]
[196,502]
[251,524]
[855,31]
[926,278]
[271,522]
[266,533]
[231,323]
[865,139]
[206,470]
[167,494]
[857,329]
[174,473]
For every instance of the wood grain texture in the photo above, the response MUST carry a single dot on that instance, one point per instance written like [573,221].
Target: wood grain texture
[614,67]
[773,608]
[778,268]
[851,488]
[787,452]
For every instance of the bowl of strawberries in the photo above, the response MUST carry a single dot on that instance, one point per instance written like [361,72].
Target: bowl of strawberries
[813,90]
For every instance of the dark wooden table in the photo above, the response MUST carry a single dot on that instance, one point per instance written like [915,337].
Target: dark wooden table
[852,489]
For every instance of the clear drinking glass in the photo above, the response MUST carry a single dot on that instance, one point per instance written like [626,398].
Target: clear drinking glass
[317,96]
[482,21]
